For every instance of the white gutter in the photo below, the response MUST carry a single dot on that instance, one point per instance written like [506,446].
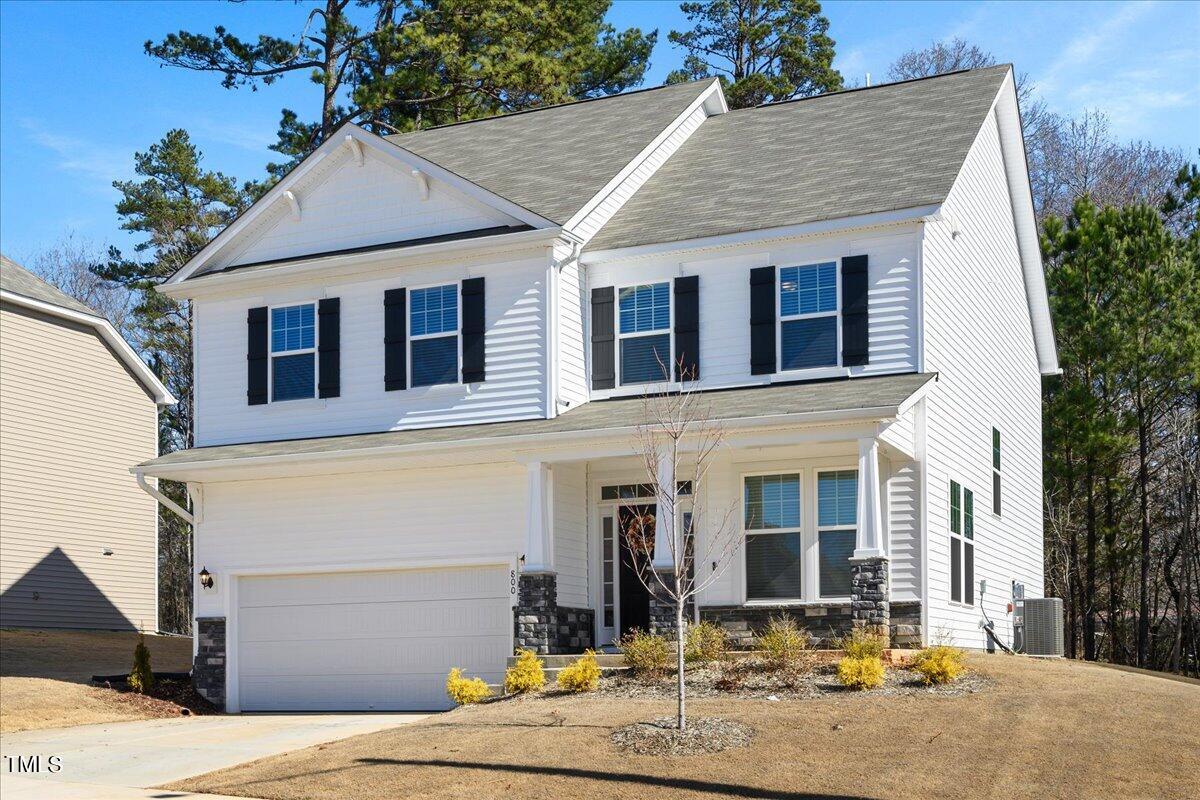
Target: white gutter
[153,491]
[776,421]
[110,336]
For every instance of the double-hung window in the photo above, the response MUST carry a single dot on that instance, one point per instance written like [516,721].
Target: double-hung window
[962,544]
[644,330]
[433,336]
[996,471]
[808,316]
[771,507]
[293,352]
[837,521]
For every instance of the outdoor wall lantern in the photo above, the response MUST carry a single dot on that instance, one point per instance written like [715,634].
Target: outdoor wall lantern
[206,578]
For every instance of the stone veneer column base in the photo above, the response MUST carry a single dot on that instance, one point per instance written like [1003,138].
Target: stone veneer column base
[208,668]
[869,594]
[543,626]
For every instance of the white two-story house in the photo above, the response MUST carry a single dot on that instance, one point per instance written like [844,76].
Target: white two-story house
[420,361]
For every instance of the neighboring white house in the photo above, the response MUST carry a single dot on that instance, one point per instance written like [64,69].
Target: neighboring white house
[78,540]
[420,359]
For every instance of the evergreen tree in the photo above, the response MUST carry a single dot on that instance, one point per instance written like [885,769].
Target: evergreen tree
[763,51]
[177,206]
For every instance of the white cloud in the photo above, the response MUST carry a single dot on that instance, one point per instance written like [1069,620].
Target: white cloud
[1079,53]
[255,138]
[98,166]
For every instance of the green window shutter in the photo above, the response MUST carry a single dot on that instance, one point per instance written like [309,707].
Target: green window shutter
[968,513]
[955,508]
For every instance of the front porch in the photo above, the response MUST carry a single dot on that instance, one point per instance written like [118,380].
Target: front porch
[825,517]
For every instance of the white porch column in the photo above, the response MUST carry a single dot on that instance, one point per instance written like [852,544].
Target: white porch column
[869,541]
[539,544]
[664,515]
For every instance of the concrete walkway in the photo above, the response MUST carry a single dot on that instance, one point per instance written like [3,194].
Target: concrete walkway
[119,760]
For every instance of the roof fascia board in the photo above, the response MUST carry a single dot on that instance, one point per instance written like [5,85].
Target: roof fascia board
[352,264]
[382,147]
[713,101]
[108,333]
[1016,168]
[199,470]
[803,230]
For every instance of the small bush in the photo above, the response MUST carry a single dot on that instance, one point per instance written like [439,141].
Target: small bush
[526,675]
[141,679]
[582,676]
[465,691]
[705,643]
[939,664]
[861,672]
[645,653]
[783,644]
[863,643]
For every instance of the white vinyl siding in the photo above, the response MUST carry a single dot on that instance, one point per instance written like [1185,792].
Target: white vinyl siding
[515,358]
[979,340]
[725,299]
[72,423]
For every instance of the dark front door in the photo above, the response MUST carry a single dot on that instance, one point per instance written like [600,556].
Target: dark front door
[634,599]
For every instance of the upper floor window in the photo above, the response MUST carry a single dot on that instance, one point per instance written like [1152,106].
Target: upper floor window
[433,335]
[293,352]
[644,329]
[808,316]
[996,471]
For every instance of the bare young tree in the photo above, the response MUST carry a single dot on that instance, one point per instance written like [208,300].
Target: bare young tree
[66,266]
[678,442]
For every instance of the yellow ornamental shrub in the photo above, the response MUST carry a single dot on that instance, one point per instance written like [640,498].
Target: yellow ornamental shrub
[705,643]
[645,653]
[863,643]
[939,664]
[861,673]
[465,691]
[526,675]
[582,676]
[783,644]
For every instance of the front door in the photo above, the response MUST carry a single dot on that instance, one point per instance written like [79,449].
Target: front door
[633,598]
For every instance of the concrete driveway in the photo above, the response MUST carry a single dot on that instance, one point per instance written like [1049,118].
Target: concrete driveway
[124,759]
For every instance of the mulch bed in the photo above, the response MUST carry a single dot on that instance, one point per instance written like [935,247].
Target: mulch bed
[170,697]
[749,678]
[661,736]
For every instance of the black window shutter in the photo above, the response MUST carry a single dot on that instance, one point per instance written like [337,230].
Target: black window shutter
[256,356]
[395,339]
[604,349]
[855,343]
[329,355]
[473,328]
[762,321]
[687,328]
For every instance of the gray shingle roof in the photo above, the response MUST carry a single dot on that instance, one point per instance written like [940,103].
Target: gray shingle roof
[887,391]
[553,160]
[857,152]
[862,151]
[18,280]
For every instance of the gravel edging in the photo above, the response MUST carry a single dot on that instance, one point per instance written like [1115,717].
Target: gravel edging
[660,737]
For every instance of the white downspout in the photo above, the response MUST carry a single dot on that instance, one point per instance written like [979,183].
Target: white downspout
[153,491]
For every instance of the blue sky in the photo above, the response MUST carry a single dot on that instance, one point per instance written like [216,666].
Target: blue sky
[78,96]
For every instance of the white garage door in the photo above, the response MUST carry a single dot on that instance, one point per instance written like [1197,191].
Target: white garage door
[369,641]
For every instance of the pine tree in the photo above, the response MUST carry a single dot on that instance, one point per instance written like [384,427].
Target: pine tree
[141,677]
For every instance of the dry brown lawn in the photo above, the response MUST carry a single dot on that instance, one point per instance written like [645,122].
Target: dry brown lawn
[44,677]
[1045,729]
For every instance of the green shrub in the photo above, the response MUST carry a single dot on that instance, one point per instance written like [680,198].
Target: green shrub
[939,664]
[526,675]
[581,676]
[645,653]
[783,645]
[864,672]
[863,643]
[705,643]
[141,679]
[464,691]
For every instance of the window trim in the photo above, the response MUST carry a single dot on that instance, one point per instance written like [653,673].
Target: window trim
[836,313]
[818,528]
[960,539]
[410,338]
[669,330]
[271,354]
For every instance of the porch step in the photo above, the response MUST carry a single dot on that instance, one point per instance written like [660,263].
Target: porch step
[557,662]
